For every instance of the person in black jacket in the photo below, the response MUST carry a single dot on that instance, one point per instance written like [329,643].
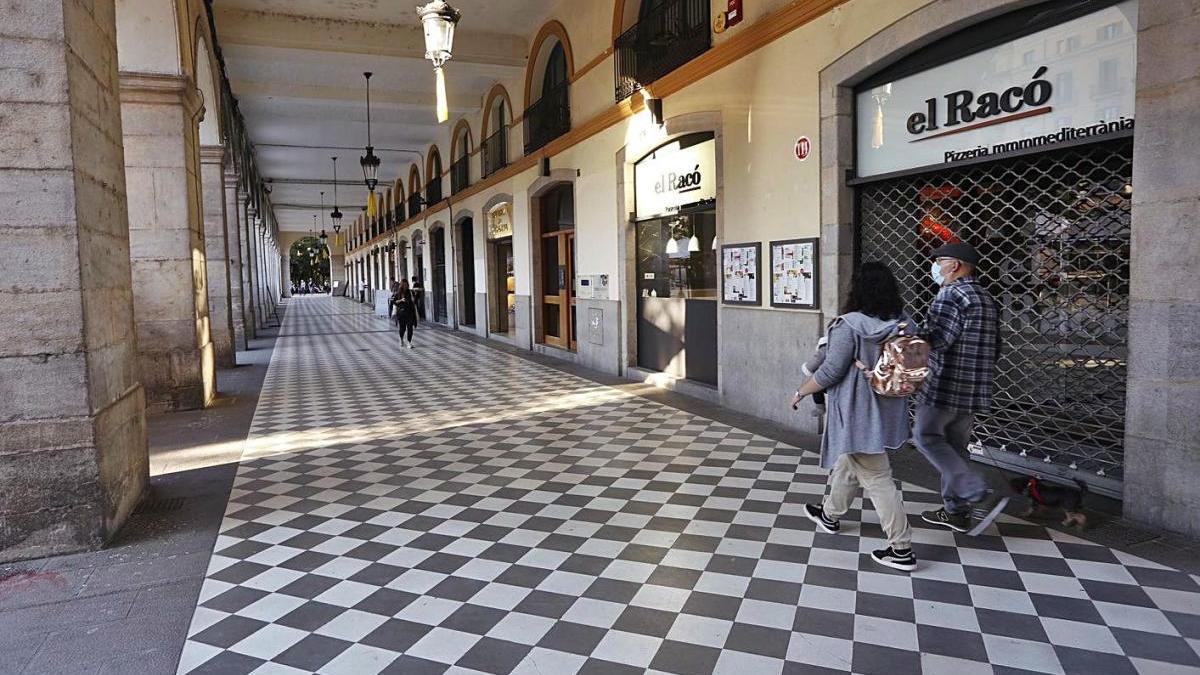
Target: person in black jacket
[405,306]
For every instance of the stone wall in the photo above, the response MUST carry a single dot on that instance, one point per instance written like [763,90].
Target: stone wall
[216,251]
[1162,441]
[73,459]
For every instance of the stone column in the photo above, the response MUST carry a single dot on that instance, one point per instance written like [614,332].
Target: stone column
[216,251]
[73,460]
[252,267]
[159,116]
[1162,428]
[247,234]
[285,274]
[233,225]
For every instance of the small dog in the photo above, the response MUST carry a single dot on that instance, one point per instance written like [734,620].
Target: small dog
[1045,497]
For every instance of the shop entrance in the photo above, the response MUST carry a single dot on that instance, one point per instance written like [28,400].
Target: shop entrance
[677,295]
[1053,229]
[557,260]
[466,263]
[502,287]
[437,241]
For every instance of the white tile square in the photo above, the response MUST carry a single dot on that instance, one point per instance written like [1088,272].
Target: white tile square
[268,641]
[1036,656]
[428,610]
[821,650]
[590,612]
[346,593]
[271,607]
[770,614]
[525,629]
[722,584]
[1088,636]
[665,598]
[500,596]
[443,645]
[886,632]
[359,659]
[352,625]
[628,648]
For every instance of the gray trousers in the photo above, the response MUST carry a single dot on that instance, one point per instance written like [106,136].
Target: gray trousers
[942,437]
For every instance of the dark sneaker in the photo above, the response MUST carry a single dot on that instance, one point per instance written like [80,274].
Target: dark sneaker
[959,522]
[817,515]
[897,559]
[985,511]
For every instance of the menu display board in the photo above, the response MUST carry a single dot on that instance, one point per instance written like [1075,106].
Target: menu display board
[794,273]
[740,280]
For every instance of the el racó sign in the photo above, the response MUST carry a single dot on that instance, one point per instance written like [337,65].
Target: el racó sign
[675,175]
[1072,81]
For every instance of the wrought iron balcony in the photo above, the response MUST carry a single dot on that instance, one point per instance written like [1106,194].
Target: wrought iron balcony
[460,174]
[669,35]
[548,118]
[414,204]
[494,151]
[433,191]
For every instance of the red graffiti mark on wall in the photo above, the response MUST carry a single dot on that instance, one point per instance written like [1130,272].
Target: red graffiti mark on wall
[24,580]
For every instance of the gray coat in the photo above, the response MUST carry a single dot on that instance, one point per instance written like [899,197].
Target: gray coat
[859,420]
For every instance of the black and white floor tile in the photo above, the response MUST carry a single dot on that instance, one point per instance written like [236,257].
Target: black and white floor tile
[457,509]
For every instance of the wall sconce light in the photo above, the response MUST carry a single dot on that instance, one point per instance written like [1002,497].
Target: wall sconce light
[655,106]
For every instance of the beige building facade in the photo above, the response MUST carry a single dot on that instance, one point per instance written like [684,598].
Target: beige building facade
[540,242]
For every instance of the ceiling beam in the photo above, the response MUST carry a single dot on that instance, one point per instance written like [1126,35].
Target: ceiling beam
[350,96]
[400,40]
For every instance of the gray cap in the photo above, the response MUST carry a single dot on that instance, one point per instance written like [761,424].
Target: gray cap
[960,251]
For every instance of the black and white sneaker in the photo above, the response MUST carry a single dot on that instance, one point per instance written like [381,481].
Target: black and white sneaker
[959,522]
[897,559]
[985,511]
[817,515]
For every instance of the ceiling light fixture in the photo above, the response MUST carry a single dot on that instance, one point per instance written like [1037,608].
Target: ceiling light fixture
[439,20]
[369,161]
[335,216]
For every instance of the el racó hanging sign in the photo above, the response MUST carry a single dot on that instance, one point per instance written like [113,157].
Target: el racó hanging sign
[676,175]
[1070,82]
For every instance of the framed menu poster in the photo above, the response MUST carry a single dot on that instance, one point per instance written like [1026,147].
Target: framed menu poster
[740,280]
[794,274]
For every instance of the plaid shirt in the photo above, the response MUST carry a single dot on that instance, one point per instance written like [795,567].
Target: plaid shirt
[963,329]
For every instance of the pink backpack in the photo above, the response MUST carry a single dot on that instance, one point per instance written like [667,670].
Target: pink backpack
[902,366]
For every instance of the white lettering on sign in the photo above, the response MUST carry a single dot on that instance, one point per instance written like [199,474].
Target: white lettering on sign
[499,221]
[1069,82]
[672,177]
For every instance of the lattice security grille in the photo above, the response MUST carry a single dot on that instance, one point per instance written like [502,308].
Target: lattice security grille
[1053,229]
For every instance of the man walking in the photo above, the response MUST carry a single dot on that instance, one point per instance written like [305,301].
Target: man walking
[963,329]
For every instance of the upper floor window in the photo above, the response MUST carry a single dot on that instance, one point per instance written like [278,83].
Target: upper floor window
[494,148]
[460,167]
[433,189]
[550,115]
[668,34]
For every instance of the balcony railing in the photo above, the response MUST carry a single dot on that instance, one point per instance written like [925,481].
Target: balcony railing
[670,34]
[494,151]
[460,174]
[548,118]
[433,191]
[414,204]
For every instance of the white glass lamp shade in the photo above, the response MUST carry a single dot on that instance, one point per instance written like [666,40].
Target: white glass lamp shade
[694,244]
[438,19]
[672,247]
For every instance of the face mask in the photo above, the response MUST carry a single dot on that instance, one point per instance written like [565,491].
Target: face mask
[935,271]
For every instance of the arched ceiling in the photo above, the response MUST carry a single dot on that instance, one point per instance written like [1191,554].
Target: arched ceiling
[296,67]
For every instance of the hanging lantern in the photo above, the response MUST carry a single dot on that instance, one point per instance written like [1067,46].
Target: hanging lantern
[335,216]
[439,19]
[369,161]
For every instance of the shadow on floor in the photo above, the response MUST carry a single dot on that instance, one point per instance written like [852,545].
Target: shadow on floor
[127,608]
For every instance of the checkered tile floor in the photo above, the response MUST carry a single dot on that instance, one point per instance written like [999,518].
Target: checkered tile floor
[458,509]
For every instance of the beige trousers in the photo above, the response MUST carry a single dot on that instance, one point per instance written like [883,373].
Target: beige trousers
[874,473]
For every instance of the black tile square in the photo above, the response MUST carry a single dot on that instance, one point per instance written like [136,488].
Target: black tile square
[732,564]
[474,619]
[824,622]
[831,577]
[1157,647]
[1042,565]
[1087,661]
[876,660]
[959,644]
[1172,579]
[235,599]
[590,565]
[457,588]
[228,662]
[241,572]
[309,586]
[685,659]
[774,591]
[1010,624]
[1065,608]
[885,607]
[542,603]
[645,621]
[312,652]
[310,616]
[572,637]
[761,640]
[712,605]
[307,561]
[386,602]
[396,635]
[942,591]
[523,575]
[444,563]
[494,656]
[228,631]
[1121,594]
[612,590]
[378,574]
[985,576]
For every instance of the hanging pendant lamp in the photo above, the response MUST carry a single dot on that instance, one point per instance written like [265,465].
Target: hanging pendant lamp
[369,161]
[336,215]
[439,19]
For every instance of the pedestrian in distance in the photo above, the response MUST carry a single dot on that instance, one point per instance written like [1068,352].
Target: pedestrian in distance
[963,331]
[861,426]
[406,312]
[418,296]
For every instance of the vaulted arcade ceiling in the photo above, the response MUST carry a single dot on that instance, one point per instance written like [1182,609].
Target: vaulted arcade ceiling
[296,68]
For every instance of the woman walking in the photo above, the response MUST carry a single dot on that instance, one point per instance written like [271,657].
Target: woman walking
[406,311]
[862,426]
